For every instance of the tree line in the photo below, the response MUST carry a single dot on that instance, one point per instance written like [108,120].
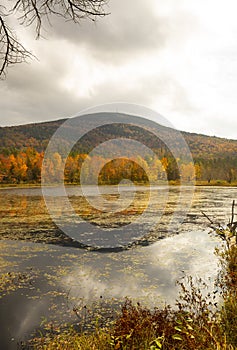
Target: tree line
[25,167]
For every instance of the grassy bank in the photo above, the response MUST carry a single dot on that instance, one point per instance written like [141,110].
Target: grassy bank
[197,321]
[216,183]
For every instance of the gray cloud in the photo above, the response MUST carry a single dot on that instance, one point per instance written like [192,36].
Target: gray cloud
[130,28]
[121,57]
[34,91]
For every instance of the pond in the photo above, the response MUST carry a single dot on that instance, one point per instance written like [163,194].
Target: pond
[45,276]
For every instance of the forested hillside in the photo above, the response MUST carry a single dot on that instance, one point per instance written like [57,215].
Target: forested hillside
[22,150]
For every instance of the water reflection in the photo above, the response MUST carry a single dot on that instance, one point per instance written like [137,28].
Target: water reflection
[65,276]
[147,274]
[69,277]
[23,213]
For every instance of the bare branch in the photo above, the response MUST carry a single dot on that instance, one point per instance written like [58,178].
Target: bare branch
[11,50]
[213,224]
[229,233]
[31,12]
[232,213]
[34,11]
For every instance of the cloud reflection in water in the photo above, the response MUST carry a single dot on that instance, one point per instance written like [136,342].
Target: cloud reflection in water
[148,274]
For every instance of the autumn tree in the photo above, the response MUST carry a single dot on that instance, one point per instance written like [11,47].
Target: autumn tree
[187,172]
[120,169]
[198,171]
[231,175]
[18,168]
[36,12]
[34,163]
[157,170]
[71,169]
[172,169]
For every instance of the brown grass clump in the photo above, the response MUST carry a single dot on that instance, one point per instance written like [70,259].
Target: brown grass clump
[193,325]
[229,309]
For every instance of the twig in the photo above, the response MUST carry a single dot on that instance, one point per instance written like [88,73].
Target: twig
[232,213]
[225,233]
[207,217]
[212,222]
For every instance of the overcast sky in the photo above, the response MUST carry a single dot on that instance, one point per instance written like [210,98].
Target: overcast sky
[176,57]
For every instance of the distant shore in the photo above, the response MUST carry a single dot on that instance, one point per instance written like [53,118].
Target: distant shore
[219,183]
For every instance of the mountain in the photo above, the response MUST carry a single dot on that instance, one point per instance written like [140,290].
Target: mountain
[34,135]
[37,135]
[22,147]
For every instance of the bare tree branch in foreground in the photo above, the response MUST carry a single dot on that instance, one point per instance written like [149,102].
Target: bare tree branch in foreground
[30,12]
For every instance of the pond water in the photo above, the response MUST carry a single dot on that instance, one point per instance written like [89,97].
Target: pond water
[42,281]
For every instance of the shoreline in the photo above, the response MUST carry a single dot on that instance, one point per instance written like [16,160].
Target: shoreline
[217,183]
